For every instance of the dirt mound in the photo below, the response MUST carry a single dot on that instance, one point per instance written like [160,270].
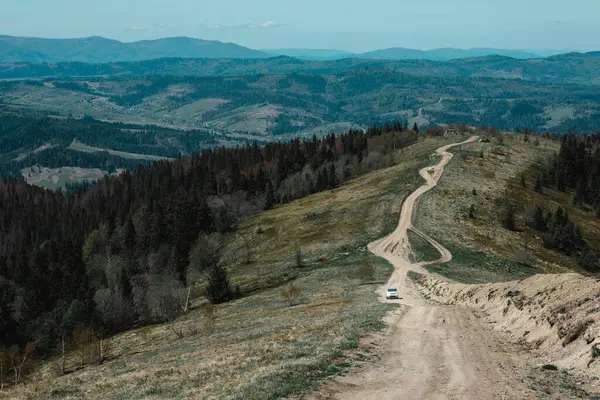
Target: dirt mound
[556,316]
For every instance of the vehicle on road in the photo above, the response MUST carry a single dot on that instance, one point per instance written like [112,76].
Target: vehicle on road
[391,293]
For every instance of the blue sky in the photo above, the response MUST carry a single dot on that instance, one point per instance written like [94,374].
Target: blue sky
[353,25]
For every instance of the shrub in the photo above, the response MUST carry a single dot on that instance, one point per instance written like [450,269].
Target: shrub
[299,258]
[524,257]
[290,293]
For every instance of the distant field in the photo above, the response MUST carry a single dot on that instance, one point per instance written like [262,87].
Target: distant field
[78,146]
[56,178]
[558,114]
[337,128]
[196,109]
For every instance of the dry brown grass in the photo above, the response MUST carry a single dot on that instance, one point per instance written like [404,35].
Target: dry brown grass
[259,347]
[494,177]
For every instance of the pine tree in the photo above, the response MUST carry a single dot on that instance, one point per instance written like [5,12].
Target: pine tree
[508,216]
[218,289]
[269,196]
[124,284]
[129,239]
[539,184]
[333,180]
[579,196]
[415,128]
[539,221]
[560,181]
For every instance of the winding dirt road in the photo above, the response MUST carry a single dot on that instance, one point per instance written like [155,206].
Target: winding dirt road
[433,351]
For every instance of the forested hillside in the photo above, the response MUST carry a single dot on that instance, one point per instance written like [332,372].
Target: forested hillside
[122,252]
[565,68]
[28,139]
[101,50]
[268,106]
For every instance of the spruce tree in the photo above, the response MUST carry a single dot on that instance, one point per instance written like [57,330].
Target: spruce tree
[129,244]
[269,196]
[539,221]
[333,180]
[218,289]
[508,216]
[539,184]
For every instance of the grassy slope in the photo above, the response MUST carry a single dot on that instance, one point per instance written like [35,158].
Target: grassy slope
[56,178]
[261,348]
[78,146]
[483,250]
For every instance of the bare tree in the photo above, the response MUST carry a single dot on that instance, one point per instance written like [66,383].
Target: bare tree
[299,257]
[247,253]
[63,339]
[102,345]
[84,340]
[290,293]
[20,360]
[177,330]
[166,298]
[205,255]
[209,311]
[2,364]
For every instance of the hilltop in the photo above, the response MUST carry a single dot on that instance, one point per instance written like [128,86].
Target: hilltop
[101,50]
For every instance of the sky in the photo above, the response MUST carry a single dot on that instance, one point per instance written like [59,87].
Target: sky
[351,25]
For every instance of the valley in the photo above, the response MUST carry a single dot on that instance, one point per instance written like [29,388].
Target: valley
[281,106]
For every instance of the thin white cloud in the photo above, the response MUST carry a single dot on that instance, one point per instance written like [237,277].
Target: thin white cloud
[137,28]
[264,25]
[160,25]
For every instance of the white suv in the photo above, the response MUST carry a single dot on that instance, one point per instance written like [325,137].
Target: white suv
[391,293]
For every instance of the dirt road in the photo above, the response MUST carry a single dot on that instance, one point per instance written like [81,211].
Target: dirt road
[432,352]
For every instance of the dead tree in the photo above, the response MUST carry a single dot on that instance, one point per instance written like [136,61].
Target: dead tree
[19,360]
[2,363]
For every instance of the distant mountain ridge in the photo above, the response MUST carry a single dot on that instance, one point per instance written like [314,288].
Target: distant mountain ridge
[579,68]
[101,50]
[401,53]
[312,54]
[444,54]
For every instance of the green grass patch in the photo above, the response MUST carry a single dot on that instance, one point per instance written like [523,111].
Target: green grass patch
[422,250]
[64,391]
[414,276]
[468,266]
